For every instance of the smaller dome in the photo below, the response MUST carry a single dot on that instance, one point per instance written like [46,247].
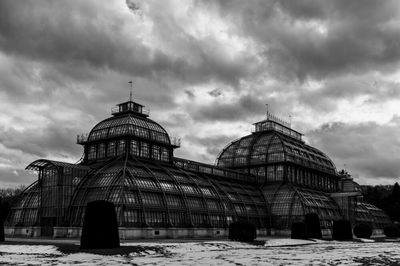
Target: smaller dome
[272,147]
[129,125]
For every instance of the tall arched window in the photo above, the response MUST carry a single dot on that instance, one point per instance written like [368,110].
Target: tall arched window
[144,149]
[92,152]
[121,147]
[101,153]
[134,149]
[111,149]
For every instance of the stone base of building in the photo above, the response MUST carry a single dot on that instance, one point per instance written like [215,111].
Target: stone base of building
[126,233]
[33,231]
[326,233]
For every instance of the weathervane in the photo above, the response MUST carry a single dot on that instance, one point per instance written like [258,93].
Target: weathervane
[130,94]
[276,119]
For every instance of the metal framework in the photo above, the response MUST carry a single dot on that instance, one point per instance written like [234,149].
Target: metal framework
[370,214]
[275,157]
[153,194]
[270,178]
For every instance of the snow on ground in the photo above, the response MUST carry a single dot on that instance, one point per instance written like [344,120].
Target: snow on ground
[29,249]
[276,252]
[287,242]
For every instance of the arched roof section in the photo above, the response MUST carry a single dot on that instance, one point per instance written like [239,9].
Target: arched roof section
[372,215]
[43,163]
[289,204]
[129,124]
[152,194]
[25,210]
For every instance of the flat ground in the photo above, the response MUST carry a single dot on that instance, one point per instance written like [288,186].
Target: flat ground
[275,251]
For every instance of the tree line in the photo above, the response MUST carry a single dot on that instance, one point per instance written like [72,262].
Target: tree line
[386,198]
[10,194]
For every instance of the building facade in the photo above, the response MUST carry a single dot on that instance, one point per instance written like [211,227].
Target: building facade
[270,178]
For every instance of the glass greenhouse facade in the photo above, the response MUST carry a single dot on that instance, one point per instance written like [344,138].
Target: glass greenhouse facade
[270,178]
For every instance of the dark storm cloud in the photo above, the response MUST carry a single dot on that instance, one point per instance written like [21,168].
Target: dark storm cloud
[51,139]
[83,32]
[317,39]
[368,149]
[245,107]
[214,143]
[375,89]
[215,92]
[190,94]
[71,32]
[15,177]
[63,64]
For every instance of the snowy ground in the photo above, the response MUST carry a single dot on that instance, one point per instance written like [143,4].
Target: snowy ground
[275,252]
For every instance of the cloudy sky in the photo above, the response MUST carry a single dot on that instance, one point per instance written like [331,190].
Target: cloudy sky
[205,69]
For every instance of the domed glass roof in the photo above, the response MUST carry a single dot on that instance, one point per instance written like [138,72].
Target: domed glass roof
[129,124]
[272,147]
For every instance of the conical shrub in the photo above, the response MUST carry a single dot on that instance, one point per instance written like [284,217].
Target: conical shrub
[100,226]
[341,230]
[313,226]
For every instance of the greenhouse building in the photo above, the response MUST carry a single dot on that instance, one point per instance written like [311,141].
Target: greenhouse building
[270,178]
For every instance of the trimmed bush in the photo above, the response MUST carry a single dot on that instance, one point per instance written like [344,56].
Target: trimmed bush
[100,226]
[4,210]
[242,231]
[341,230]
[362,230]
[391,231]
[313,227]
[298,230]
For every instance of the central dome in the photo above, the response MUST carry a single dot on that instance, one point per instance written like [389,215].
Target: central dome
[128,132]
[129,124]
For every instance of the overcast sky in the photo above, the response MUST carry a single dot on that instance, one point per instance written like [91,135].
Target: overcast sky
[205,69]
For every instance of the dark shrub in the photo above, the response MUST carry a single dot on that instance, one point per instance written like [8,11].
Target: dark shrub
[4,210]
[341,230]
[242,231]
[299,230]
[391,231]
[362,230]
[100,226]
[313,228]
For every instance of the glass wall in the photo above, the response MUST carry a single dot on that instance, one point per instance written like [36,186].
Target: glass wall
[102,151]
[290,204]
[147,194]
[372,215]
[25,212]
[57,182]
[131,125]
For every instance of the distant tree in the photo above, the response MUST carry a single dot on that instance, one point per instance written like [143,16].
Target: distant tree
[385,197]
[396,191]
[392,203]
[391,231]
[4,210]
[10,194]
